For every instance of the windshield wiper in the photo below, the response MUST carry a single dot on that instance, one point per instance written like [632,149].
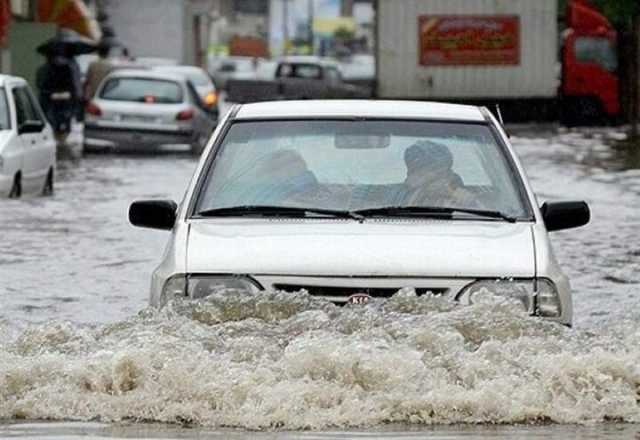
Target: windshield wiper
[276,211]
[431,211]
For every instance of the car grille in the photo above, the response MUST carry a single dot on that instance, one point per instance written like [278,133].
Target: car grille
[341,294]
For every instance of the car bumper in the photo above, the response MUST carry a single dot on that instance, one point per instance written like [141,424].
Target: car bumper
[100,137]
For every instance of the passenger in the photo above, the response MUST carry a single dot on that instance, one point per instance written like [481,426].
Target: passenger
[431,180]
[286,178]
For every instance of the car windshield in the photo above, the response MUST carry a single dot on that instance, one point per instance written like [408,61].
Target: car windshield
[4,111]
[362,165]
[142,90]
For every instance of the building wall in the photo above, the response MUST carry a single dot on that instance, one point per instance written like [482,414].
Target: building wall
[150,28]
[24,38]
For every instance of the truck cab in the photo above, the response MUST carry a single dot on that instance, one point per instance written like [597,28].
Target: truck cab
[590,85]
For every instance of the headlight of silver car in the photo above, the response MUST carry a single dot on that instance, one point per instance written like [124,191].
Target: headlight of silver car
[537,297]
[201,286]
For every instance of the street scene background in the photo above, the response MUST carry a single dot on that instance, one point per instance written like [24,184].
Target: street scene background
[82,355]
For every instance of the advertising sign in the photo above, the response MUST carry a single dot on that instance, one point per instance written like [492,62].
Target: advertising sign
[453,40]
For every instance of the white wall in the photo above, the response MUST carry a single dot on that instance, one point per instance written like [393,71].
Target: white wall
[150,28]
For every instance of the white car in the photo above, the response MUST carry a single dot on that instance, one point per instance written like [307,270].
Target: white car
[353,200]
[27,143]
[147,109]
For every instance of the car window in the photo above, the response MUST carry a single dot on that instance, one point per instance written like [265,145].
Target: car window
[306,71]
[227,67]
[5,120]
[597,50]
[193,95]
[349,165]
[333,74]
[24,109]
[35,109]
[142,90]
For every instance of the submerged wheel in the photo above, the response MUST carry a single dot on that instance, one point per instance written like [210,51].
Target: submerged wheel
[47,190]
[16,189]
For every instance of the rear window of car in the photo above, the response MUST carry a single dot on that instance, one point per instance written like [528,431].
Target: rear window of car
[142,90]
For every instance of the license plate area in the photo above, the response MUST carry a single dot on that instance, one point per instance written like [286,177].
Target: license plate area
[139,119]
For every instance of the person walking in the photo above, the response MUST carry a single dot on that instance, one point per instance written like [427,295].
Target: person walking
[97,71]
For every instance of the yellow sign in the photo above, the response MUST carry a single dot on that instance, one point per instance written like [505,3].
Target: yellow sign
[328,26]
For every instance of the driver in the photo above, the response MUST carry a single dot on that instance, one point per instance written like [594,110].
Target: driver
[431,180]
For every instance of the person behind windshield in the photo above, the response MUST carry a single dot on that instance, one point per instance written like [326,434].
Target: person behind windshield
[431,181]
[286,179]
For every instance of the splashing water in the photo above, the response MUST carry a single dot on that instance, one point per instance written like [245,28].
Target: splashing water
[290,361]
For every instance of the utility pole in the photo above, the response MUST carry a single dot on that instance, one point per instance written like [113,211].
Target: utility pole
[285,24]
[311,13]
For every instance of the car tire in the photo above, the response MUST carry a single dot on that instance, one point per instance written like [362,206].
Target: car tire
[48,184]
[16,189]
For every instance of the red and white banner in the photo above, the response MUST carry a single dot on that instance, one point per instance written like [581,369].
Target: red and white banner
[452,40]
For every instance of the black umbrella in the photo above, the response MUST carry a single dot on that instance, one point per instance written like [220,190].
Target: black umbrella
[67,45]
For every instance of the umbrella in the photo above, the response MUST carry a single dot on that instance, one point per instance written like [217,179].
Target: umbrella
[67,44]
[69,14]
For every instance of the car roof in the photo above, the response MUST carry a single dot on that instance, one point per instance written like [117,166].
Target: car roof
[180,68]
[147,73]
[360,109]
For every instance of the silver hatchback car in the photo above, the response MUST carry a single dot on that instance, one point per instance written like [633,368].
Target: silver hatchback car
[144,109]
[353,200]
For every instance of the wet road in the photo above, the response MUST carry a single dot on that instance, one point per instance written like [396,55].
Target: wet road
[74,275]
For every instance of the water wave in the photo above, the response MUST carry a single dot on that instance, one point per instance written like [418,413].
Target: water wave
[290,361]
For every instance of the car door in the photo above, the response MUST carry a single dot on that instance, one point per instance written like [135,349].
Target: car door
[45,145]
[24,113]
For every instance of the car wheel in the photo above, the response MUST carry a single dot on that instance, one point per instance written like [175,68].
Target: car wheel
[16,189]
[48,184]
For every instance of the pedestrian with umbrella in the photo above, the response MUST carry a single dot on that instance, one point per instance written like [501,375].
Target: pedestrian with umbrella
[59,80]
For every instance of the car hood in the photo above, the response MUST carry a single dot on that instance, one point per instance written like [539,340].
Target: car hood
[373,248]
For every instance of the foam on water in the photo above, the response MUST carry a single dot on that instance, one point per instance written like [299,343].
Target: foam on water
[290,361]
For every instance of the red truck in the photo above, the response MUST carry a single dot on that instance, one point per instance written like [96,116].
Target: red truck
[506,52]
[589,63]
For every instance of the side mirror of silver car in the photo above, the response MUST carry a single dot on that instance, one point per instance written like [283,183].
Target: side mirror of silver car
[154,214]
[565,215]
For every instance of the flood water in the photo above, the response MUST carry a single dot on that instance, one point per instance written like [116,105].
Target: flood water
[82,357]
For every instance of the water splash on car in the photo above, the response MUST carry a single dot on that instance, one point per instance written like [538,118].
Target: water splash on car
[291,361]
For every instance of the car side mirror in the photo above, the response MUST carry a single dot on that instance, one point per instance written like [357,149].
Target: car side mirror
[565,215]
[154,214]
[31,126]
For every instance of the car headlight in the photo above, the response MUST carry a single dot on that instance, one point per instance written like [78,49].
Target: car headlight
[538,297]
[201,286]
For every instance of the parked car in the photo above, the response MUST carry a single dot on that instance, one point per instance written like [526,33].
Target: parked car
[352,200]
[27,144]
[144,109]
[201,81]
[299,77]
